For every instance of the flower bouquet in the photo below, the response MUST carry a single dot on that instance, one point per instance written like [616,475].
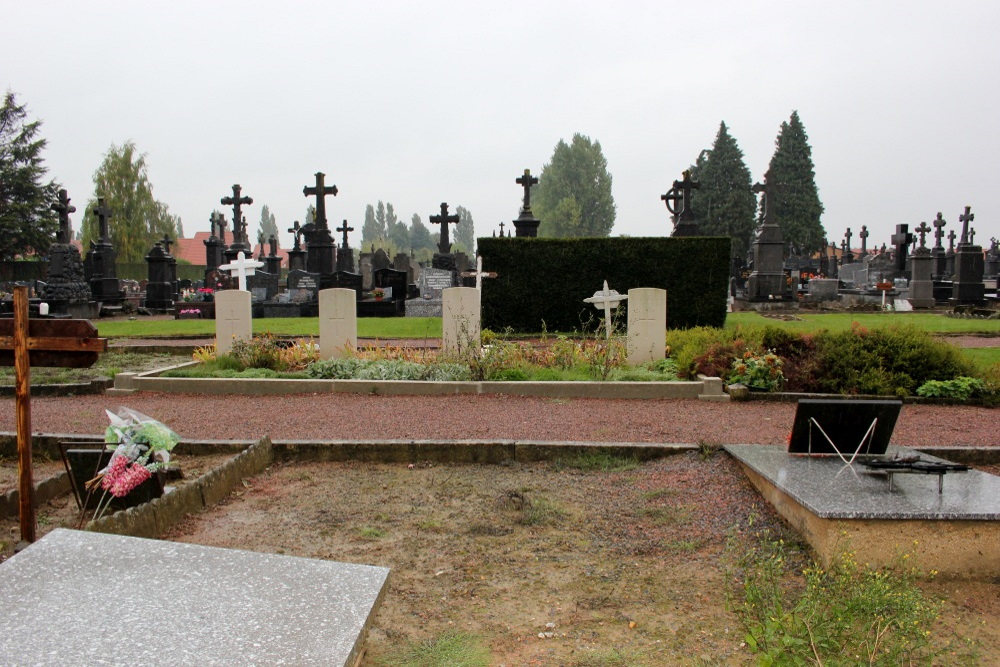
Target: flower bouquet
[140,445]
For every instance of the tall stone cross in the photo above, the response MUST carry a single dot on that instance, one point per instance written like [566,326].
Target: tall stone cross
[922,230]
[237,201]
[939,224]
[681,192]
[344,229]
[103,214]
[294,231]
[320,191]
[220,222]
[951,240]
[965,219]
[242,267]
[607,300]
[479,273]
[526,181]
[847,236]
[863,235]
[64,208]
[502,225]
[768,189]
[166,243]
[972,236]
[444,245]
[902,240]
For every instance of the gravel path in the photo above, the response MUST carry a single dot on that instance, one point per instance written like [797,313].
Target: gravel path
[365,417]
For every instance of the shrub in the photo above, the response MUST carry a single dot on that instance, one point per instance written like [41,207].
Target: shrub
[961,388]
[758,371]
[259,352]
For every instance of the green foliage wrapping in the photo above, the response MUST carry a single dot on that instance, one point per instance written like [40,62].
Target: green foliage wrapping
[541,283]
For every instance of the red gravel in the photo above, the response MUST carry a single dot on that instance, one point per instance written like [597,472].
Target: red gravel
[486,417]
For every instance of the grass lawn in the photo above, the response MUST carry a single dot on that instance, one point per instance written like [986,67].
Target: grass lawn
[984,357]
[931,322]
[368,327]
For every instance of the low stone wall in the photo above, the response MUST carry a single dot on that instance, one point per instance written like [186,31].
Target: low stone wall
[154,518]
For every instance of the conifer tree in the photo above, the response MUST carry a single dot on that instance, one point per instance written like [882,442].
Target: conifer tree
[725,204]
[27,222]
[797,205]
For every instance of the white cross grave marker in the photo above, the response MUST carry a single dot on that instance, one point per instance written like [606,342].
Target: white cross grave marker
[479,273]
[242,268]
[608,300]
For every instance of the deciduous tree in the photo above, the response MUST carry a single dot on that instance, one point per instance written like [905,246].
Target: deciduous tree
[573,196]
[465,230]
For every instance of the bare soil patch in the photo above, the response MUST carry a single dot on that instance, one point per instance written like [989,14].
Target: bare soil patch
[627,564]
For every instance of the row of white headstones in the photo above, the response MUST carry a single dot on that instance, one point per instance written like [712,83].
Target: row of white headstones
[461,311]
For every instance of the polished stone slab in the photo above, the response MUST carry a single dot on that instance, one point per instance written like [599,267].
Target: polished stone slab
[831,490]
[85,598]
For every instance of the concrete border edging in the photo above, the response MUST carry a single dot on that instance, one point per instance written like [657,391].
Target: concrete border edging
[45,490]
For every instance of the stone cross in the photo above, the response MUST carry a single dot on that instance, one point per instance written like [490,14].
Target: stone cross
[242,267]
[260,242]
[273,244]
[863,235]
[526,181]
[237,201]
[103,213]
[847,236]
[320,191]
[682,192]
[166,243]
[939,224]
[608,300]
[922,230]
[294,230]
[951,240]
[768,188]
[972,236]
[902,240]
[444,245]
[965,219]
[502,225]
[479,273]
[220,220]
[345,229]
[64,208]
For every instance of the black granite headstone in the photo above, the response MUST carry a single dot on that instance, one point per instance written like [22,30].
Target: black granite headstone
[850,426]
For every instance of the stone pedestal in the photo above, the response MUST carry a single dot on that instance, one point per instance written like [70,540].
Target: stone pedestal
[321,252]
[161,285]
[99,268]
[233,317]
[823,289]
[526,226]
[296,260]
[647,325]
[460,320]
[444,261]
[768,279]
[214,253]
[967,282]
[921,287]
[66,282]
[338,323]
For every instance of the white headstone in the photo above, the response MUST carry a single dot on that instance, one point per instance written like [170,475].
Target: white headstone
[647,325]
[338,322]
[460,320]
[232,319]
[242,267]
[608,300]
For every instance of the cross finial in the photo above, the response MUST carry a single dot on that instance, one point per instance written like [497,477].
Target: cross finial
[951,240]
[166,242]
[863,235]
[320,190]
[344,229]
[526,181]
[444,245]
[680,197]
[939,224]
[296,231]
[965,219]
[768,188]
[237,201]
[64,208]
[922,230]
[103,214]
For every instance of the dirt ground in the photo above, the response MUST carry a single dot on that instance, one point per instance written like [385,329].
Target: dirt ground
[625,566]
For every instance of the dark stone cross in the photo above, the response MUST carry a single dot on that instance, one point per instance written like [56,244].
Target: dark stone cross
[103,213]
[444,245]
[502,225]
[526,181]
[220,221]
[768,189]
[237,201]
[972,236]
[273,245]
[951,240]
[902,240]
[260,242]
[922,230]
[64,208]
[683,188]
[295,230]
[863,235]
[166,243]
[344,229]
[320,191]
[965,219]
[847,237]
[939,224]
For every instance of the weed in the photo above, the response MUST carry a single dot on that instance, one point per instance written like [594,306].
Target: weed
[371,533]
[608,658]
[431,525]
[541,511]
[682,546]
[671,515]
[598,460]
[706,451]
[452,648]
[656,494]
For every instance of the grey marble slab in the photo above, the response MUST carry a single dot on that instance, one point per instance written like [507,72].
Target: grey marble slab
[829,489]
[79,598]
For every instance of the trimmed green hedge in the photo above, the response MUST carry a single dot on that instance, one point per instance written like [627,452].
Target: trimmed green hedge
[546,280]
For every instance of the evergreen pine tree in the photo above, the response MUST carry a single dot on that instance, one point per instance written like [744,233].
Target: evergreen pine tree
[725,204]
[573,196]
[27,222]
[797,205]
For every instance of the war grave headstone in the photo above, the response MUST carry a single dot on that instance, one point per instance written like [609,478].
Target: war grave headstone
[967,281]
[921,286]
[65,289]
[647,325]
[832,483]
[460,320]
[338,323]
[767,281]
[233,311]
[526,224]
[211,606]
[240,243]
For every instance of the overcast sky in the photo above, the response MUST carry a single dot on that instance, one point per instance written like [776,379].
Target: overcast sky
[416,103]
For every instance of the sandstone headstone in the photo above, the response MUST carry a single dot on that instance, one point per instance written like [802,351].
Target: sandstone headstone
[647,325]
[460,320]
[232,319]
[338,322]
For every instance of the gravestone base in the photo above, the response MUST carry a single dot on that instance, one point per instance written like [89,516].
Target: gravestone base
[280,309]
[954,531]
[423,308]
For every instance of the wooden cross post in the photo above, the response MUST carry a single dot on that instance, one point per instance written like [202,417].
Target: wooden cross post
[479,273]
[23,343]
[608,300]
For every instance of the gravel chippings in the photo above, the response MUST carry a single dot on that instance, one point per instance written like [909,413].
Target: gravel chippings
[483,417]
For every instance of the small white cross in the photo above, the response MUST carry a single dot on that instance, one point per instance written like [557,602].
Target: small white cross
[242,268]
[479,273]
[608,300]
